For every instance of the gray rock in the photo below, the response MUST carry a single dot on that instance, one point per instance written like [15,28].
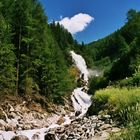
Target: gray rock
[8,128]
[64,137]
[13,114]
[35,137]
[115,129]
[77,113]
[20,137]
[107,116]
[105,126]
[60,130]
[80,129]
[2,123]
[50,136]
[104,117]
[103,136]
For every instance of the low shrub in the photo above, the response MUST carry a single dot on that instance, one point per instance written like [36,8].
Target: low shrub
[97,83]
[129,82]
[121,103]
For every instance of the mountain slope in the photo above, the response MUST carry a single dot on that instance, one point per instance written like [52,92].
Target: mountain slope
[118,53]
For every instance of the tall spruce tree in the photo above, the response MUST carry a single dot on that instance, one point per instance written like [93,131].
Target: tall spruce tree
[7,58]
[37,57]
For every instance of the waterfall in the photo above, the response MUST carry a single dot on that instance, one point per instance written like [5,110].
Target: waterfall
[80,64]
[81,100]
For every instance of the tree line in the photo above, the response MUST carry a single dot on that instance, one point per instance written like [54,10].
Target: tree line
[34,55]
[118,54]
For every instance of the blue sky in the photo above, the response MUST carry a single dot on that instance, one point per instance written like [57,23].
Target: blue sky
[89,20]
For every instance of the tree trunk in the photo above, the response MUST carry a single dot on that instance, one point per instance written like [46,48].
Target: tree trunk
[18,61]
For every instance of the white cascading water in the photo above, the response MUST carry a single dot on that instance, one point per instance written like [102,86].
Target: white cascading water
[81,102]
[80,64]
[29,133]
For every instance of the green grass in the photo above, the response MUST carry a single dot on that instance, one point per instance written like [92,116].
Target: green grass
[118,99]
[123,104]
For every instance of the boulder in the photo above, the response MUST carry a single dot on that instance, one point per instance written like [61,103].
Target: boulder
[35,137]
[77,113]
[104,117]
[60,130]
[103,136]
[60,120]
[50,136]
[105,126]
[2,123]
[115,130]
[8,128]
[20,137]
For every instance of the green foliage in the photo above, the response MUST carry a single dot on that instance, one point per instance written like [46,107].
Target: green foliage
[131,14]
[119,69]
[7,58]
[124,105]
[129,82]
[121,103]
[34,56]
[136,78]
[104,63]
[97,83]
[132,132]
[118,54]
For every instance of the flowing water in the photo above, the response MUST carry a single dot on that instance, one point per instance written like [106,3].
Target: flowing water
[81,102]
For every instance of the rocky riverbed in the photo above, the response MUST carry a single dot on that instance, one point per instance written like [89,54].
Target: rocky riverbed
[87,128]
[27,119]
[28,113]
[33,118]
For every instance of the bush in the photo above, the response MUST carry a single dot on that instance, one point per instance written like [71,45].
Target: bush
[121,103]
[97,83]
[132,132]
[136,78]
[129,82]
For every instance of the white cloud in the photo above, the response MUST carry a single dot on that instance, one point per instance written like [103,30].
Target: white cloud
[77,23]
